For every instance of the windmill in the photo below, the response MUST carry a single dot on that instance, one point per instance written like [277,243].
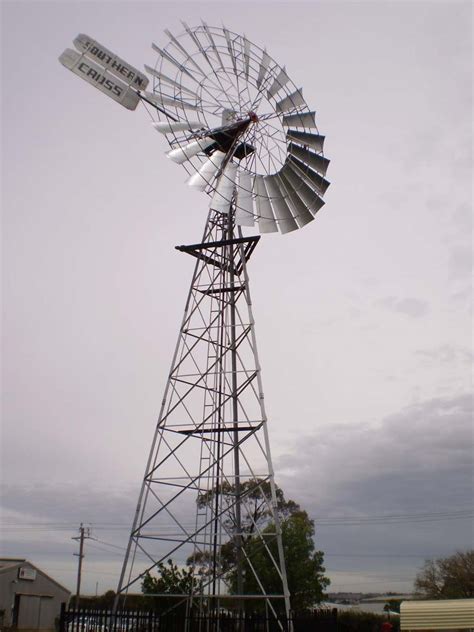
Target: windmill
[246,137]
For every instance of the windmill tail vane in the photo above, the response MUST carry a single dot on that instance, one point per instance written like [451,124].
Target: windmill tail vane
[242,131]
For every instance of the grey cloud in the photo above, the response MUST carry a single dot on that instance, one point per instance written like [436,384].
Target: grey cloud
[420,457]
[446,354]
[417,461]
[462,219]
[460,262]
[413,307]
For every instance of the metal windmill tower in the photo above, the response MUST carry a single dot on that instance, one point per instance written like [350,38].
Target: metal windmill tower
[243,132]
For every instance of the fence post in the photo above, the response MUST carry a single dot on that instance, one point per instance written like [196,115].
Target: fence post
[62,616]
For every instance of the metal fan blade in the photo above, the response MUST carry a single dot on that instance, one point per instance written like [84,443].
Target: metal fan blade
[159,75]
[166,127]
[202,178]
[244,205]
[280,80]
[266,219]
[230,49]
[181,48]
[315,141]
[264,66]
[313,178]
[302,186]
[175,62]
[304,119]
[176,103]
[225,189]
[181,154]
[246,56]
[299,209]
[286,221]
[198,44]
[315,161]
[291,102]
[213,44]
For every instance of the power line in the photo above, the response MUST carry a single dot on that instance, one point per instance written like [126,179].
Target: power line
[454,514]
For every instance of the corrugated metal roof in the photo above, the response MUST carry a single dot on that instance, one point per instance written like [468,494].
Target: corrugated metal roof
[10,562]
[443,614]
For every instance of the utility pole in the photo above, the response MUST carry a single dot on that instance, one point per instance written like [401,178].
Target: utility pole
[84,534]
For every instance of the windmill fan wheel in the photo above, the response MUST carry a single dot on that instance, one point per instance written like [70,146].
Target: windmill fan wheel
[240,127]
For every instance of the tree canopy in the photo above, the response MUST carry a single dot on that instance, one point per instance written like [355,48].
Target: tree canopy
[304,564]
[171,580]
[447,578]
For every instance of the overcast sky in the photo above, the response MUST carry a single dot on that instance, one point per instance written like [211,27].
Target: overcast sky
[363,317]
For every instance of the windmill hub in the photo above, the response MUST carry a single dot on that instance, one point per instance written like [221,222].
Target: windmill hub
[253,116]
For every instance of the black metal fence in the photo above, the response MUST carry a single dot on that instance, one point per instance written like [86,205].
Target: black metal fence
[95,620]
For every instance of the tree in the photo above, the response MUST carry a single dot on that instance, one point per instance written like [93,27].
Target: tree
[171,580]
[304,565]
[447,578]
[256,492]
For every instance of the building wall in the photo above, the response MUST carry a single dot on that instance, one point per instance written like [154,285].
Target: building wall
[30,604]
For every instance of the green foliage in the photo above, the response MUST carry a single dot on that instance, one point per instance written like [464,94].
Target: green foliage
[171,580]
[258,514]
[447,578]
[304,565]
[350,621]
[256,492]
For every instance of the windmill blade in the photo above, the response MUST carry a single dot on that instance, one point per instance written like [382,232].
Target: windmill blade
[213,44]
[167,127]
[171,82]
[315,161]
[315,141]
[280,80]
[314,180]
[163,100]
[291,102]
[244,205]
[225,189]
[181,48]
[266,219]
[304,119]
[198,44]
[286,221]
[181,154]
[302,187]
[230,49]
[246,56]
[175,62]
[202,178]
[299,209]
[264,66]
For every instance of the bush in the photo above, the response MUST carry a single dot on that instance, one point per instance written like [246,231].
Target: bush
[363,622]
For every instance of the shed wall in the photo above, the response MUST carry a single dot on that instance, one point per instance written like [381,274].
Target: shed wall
[448,615]
[30,604]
